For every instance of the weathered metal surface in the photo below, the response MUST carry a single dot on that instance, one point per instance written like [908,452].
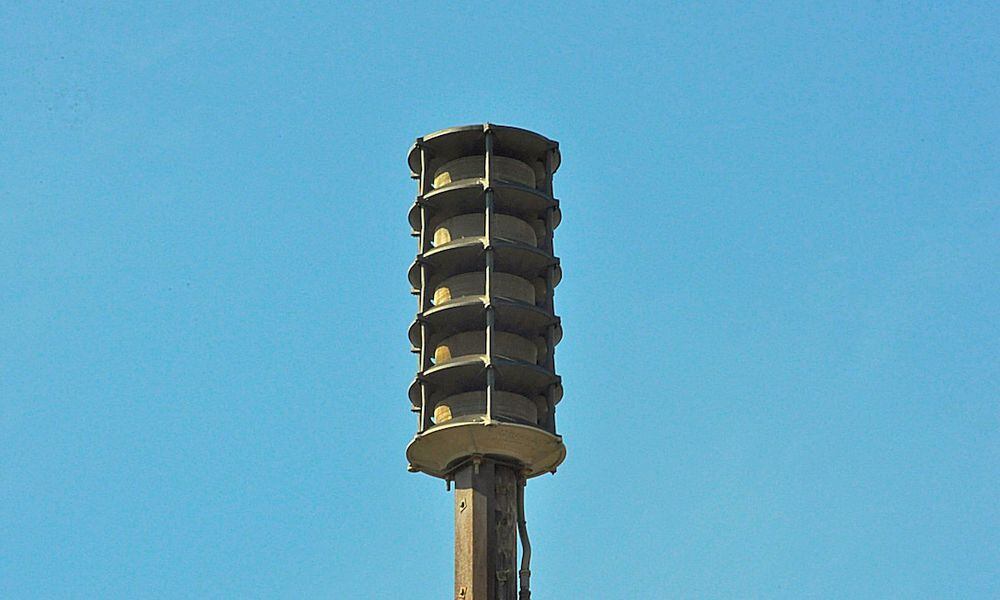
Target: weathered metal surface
[467,140]
[472,285]
[486,532]
[471,225]
[442,447]
[473,504]
[508,407]
[471,167]
[505,528]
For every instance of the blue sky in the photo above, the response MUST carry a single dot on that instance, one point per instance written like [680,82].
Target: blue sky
[780,296]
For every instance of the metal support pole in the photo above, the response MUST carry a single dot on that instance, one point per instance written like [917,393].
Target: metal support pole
[486,531]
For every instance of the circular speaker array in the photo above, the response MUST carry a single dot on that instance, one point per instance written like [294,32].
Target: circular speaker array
[485,273]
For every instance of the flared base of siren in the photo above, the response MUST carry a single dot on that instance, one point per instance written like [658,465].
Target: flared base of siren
[440,449]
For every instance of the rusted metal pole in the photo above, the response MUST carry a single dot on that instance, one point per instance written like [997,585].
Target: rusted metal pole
[486,531]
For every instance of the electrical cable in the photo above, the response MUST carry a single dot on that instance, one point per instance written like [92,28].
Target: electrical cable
[522,530]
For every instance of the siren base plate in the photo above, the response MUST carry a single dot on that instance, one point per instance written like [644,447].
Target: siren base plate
[440,448]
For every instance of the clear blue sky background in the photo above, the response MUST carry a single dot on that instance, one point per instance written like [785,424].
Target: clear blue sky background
[781,298]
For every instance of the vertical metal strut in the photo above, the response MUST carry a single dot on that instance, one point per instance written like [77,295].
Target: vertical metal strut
[424,299]
[490,309]
[550,288]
